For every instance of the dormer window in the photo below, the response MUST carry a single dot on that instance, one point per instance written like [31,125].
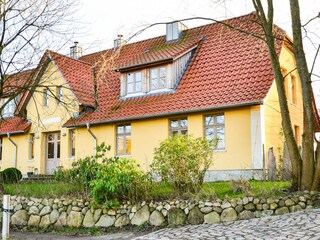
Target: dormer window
[134,82]
[8,109]
[158,78]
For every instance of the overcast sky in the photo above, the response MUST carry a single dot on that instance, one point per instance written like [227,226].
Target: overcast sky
[101,21]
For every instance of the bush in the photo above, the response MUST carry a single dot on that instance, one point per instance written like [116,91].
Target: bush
[241,186]
[183,161]
[117,178]
[11,175]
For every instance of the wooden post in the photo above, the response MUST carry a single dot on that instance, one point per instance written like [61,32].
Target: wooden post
[263,164]
[6,217]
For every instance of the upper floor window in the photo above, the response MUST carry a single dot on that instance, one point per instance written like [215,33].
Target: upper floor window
[158,78]
[8,109]
[134,82]
[46,97]
[124,139]
[179,127]
[59,94]
[214,129]
[293,88]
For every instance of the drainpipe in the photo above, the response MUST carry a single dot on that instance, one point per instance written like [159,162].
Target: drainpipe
[94,138]
[15,149]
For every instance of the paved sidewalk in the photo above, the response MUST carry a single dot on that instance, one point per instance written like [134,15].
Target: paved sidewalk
[299,225]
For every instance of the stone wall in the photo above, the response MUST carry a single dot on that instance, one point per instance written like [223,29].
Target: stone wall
[56,213]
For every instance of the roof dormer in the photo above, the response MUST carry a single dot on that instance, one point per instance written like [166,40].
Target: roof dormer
[174,30]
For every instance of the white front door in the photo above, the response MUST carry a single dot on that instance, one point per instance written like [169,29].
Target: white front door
[53,152]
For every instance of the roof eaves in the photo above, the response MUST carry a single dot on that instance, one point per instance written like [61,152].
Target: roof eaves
[140,65]
[258,102]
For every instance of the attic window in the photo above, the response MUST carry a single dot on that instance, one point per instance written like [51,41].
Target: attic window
[158,78]
[134,82]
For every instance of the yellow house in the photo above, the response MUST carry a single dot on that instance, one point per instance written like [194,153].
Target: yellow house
[211,81]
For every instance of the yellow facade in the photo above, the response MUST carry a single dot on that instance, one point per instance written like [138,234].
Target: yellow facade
[273,129]
[246,128]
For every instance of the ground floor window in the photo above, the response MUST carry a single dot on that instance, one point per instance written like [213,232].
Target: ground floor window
[72,143]
[124,139]
[31,147]
[214,129]
[179,127]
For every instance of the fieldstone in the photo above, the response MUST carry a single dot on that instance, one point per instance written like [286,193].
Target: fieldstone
[208,204]
[111,212]
[289,202]
[123,220]
[20,218]
[76,209]
[270,200]
[141,216]
[195,216]
[34,210]
[106,221]
[281,203]
[88,220]
[17,207]
[206,209]
[273,206]
[217,209]
[225,205]
[45,221]
[176,216]
[164,212]
[62,220]
[228,215]
[250,207]
[97,214]
[34,221]
[245,200]
[316,203]
[281,211]
[46,210]
[212,217]
[239,208]
[54,215]
[156,218]
[259,207]
[74,219]
[246,215]
[295,208]
[302,205]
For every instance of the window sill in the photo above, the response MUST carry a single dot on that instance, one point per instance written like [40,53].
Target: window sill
[31,160]
[71,158]
[152,92]
[220,150]
[124,156]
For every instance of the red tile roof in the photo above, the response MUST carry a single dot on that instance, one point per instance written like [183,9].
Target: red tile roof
[78,75]
[229,68]
[14,125]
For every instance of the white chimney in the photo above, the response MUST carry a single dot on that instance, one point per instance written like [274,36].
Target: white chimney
[119,42]
[174,30]
[76,51]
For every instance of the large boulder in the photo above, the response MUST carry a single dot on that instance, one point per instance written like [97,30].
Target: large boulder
[34,221]
[62,220]
[123,220]
[88,220]
[228,215]
[74,219]
[281,211]
[54,216]
[212,217]
[176,216]
[246,214]
[141,216]
[195,216]
[106,221]
[45,221]
[20,218]
[156,218]
[46,210]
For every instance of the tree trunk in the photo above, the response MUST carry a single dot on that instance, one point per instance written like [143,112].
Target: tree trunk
[316,177]
[305,77]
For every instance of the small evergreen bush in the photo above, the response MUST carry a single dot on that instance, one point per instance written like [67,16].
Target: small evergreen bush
[11,175]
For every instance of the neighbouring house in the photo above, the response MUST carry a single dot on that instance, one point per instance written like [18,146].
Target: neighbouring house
[211,81]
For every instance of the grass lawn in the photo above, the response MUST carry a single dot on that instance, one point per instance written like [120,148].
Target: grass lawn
[158,191]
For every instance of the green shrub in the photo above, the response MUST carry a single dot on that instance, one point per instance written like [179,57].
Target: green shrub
[11,175]
[182,161]
[117,178]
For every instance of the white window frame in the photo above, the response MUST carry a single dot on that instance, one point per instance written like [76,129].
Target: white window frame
[72,139]
[158,78]
[134,82]
[123,137]
[214,127]
[59,94]
[46,97]
[31,146]
[8,110]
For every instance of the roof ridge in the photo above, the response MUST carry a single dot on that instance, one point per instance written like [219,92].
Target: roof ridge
[69,58]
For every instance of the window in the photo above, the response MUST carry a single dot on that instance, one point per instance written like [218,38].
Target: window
[179,127]
[72,143]
[124,140]
[293,88]
[31,147]
[0,148]
[46,98]
[214,129]
[158,78]
[8,110]
[134,82]
[59,94]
